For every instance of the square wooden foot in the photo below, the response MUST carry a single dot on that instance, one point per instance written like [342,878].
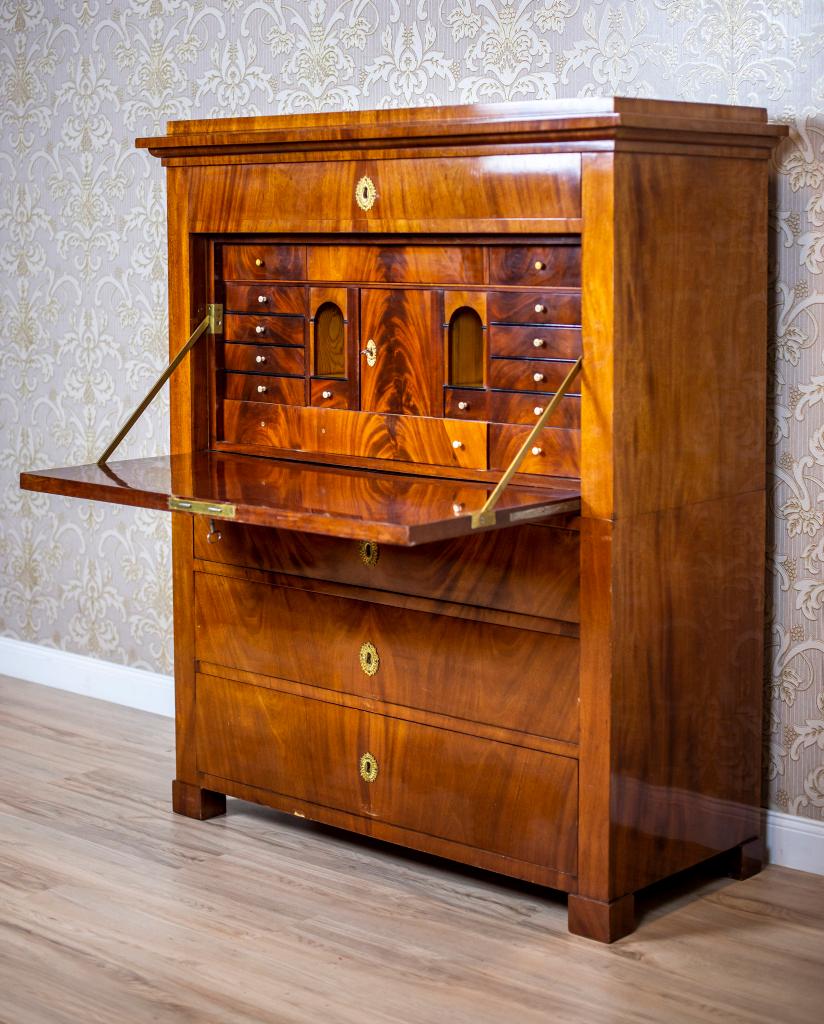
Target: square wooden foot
[746,860]
[194,802]
[599,920]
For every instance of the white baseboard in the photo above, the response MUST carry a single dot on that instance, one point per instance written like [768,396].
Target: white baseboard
[792,841]
[795,842]
[91,677]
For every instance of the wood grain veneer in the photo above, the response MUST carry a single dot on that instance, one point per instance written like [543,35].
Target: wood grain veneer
[580,705]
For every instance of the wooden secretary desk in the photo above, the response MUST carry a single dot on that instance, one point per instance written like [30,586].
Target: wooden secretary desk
[560,681]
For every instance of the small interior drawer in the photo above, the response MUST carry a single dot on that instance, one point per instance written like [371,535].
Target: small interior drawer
[549,266]
[265,298]
[466,403]
[254,262]
[254,387]
[264,359]
[515,407]
[519,342]
[528,374]
[264,330]
[536,307]
[332,394]
[404,264]
[497,675]
[510,800]
[557,450]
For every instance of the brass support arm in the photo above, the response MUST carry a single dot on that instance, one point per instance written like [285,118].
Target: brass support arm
[213,322]
[486,515]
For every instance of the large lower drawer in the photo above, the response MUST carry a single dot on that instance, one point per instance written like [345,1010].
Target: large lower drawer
[492,796]
[496,675]
[531,570]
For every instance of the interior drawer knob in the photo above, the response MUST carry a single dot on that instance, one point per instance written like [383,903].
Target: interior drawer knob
[463,406]
[369,658]
[457,445]
[368,767]
[326,394]
[540,265]
[536,450]
[538,410]
[260,330]
[540,307]
[264,298]
[260,359]
[538,377]
[258,262]
[369,552]
[538,342]
[261,389]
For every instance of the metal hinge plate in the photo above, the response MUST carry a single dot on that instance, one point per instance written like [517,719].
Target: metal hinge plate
[215,509]
[215,313]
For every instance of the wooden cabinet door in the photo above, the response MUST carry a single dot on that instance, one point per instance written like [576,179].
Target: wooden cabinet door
[401,359]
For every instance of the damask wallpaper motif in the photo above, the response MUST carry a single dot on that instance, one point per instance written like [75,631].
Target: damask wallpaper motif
[82,252]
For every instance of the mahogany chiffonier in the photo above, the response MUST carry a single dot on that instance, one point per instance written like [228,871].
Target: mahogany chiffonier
[468,481]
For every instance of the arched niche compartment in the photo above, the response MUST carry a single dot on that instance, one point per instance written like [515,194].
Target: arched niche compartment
[465,344]
[330,341]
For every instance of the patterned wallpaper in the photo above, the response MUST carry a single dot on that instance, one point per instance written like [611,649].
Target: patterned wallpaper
[82,251]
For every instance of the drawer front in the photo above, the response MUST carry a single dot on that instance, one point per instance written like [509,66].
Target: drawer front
[492,796]
[405,264]
[264,262]
[265,330]
[514,407]
[258,388]
[450,193]
[436,442]
[548,266]
[265,298]
[530,569]
[514,341]
[558,450]
[264,359]
[528,374]
[465,403]
[476,671]
[333,394]
[534,307]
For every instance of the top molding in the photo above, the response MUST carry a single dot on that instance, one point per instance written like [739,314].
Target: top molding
[579,121]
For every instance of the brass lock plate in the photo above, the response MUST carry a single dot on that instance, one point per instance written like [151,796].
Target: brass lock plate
[368,767]
[369,552]
[213,509]
[365,193]
[371,353]
[370,660]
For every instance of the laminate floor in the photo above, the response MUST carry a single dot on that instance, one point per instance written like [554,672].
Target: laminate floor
[112,909]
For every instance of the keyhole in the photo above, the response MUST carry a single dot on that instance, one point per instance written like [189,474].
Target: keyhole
[365,192]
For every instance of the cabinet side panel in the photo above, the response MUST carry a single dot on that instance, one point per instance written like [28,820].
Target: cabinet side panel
[690,329]
[688,609]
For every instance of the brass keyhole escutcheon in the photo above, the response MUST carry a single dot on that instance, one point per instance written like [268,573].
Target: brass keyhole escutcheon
[369,552]
[365,193]
[370,660]
[368,767]
[371,352]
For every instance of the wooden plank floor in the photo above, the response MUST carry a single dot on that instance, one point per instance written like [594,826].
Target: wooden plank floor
[112,909]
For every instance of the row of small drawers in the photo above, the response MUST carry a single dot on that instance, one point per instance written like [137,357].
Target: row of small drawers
[459,403]
[555,266]
[518,307]
[459,444]
[518,341]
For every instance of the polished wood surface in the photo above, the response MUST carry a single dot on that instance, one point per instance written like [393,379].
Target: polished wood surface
[405,291]
[310,751]
[453,667]
[392,508]
[531,571]
[115,909]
